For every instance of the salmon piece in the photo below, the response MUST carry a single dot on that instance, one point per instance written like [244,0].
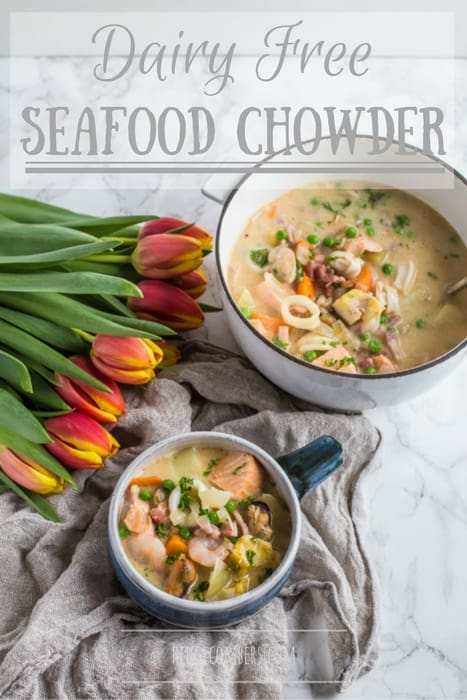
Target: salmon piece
[336,359]
[383,364]
[239,473]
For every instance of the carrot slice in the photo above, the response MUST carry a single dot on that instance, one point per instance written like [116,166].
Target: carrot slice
[306,287]
[270,323]
[272,211]
[175,543]
[146,481]
[365,278]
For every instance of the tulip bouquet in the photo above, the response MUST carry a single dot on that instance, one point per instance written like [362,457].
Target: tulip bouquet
[86,303]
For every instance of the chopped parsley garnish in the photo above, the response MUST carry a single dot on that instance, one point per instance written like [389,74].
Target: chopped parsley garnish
[233,566]
[401,220]
[161,531]
[374,196]
[211,464]
[237,469]
[455,238]
[280,343]
[432,275]
[420,323]
[246,312]
[199,590]
[260,256]
[186,483]
[172,557]
[185,502]
[250,555]
[245,502]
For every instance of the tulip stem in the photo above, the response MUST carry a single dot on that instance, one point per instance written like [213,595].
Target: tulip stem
[85,336]
[109,258]
[120,239]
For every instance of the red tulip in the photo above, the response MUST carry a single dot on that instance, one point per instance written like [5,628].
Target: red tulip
[193,283]
[165,256]
[167,224]
[103,407]
[126,360]
[165,303]
[79,442]
[28,473]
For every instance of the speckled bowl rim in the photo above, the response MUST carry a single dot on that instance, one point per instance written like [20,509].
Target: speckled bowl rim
[184,440]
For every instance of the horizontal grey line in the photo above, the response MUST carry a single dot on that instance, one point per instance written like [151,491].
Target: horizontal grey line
[227,629]
[205,682]
[194,171]
[218,162]
[443,57]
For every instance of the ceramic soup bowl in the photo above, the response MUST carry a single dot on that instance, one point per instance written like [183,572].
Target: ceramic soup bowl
[294,476]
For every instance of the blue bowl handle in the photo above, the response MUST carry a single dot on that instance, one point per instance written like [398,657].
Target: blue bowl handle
[310,465]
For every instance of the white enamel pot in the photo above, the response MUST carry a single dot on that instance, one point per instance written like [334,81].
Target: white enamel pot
[347,392]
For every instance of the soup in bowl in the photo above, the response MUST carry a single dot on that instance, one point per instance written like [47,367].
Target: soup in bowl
[204,527]
[351,278]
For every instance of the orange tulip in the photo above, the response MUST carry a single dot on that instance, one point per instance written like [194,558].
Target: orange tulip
[165,256]
[126,360]
[79,441]
[103,407]
[28,473]
[167,224]
[193,283]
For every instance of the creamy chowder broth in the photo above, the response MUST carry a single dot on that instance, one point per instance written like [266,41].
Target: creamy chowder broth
[351,278]
[204,524]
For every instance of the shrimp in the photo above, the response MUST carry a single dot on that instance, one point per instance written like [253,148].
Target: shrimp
[206,551]
[147,550]
[137,518]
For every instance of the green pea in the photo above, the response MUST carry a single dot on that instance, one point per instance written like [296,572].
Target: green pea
[213,517]
[351,232]
[383,318]
[369,370]
[168,484]
[367,222]
[230,506]
[310,355]
[313,239]
[315,202]
[375,346]
[123,531]
[387,268]
[329,241]
[420,323]
[185,532]
[364,337]
[370,231]
[145,494]
[281,235]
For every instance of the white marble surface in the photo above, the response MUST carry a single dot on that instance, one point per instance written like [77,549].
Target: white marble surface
[416,501]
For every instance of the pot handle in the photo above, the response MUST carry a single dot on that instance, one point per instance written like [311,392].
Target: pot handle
[219,186]
[310,465]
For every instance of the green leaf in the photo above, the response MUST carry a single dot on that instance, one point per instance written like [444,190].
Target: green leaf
[207,308]
[36,452]
[49,414]
[40,352]
[105,226]
[32,211]
[35,500]
[30,239]
[44,397]
[116,305]
[72,313]
[15,372]
[68,282]
[42,371]
[58,336]
[58,255]
[14,415]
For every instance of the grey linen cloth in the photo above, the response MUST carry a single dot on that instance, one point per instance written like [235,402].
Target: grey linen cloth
[69,631]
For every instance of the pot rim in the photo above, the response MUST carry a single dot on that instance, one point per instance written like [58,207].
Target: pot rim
[191,606]
[292,358]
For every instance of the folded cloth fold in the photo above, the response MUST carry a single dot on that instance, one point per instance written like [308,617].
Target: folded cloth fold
[67,629]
